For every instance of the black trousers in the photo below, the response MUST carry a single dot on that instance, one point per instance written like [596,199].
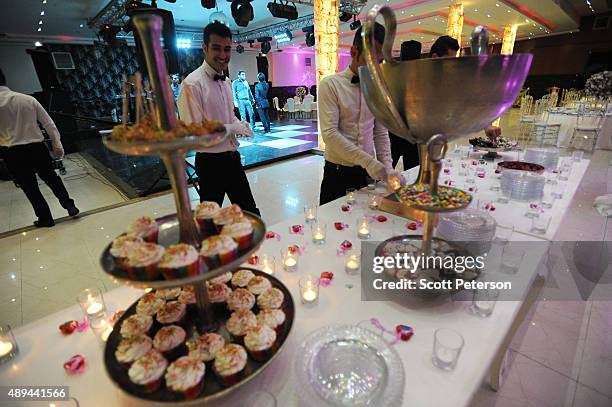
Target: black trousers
[338,178]
[405,149]
[265,119]
[27,160]
[220,174]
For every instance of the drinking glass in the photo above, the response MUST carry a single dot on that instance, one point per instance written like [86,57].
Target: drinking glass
[559,189]
[351,196]
[541,223]
[503,233]
[484,302]
[447,348]
[512,258]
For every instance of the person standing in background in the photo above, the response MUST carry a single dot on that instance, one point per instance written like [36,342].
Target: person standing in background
[400,147]
[447,47]
[243,97]
[356,144]
[261,101]
[206,93]
[26,154]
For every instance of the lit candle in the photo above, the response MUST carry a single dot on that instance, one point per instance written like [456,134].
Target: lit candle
[94,308]
[309,295]
[290,262]
[289,258]
[363,228]
[374,201]
[311,214]
[352,264]
[351,196]
[318,233]
[268,264]
[5,347]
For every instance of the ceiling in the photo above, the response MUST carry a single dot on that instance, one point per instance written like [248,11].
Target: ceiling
[63,18]
[426,20]
[421,20]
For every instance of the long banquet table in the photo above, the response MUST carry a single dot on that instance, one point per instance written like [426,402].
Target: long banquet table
[569,121]
[44,348]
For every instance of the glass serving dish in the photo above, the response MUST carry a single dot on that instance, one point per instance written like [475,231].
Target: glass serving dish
[345,365]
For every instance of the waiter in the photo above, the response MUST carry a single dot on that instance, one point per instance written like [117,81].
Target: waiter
[446,46]
[218,168]
[26,154]
[243,97]
[356,145]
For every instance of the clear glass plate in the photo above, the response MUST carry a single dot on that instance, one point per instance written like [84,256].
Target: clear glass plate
[345,365]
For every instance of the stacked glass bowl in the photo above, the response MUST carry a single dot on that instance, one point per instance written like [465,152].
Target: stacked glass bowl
[522,185]
[472,229]
[548,157]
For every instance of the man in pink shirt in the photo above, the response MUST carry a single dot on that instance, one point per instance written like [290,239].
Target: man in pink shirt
[218,168]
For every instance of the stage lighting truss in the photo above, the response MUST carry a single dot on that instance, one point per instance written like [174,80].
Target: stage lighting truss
[352,7]
[283,37]
[270,30]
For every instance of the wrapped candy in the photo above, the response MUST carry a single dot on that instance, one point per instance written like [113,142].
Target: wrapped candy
[68,327]
[341,225]
[296,230]
[75,364]
[326,278]
[405,332]
[273,235]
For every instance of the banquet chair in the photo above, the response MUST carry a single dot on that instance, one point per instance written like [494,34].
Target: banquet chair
[586,131]
[289,108]
[306,107]
[527,118]
[279,111]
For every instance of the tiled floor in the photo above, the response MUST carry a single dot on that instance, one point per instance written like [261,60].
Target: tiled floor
[84,184]
[561,355]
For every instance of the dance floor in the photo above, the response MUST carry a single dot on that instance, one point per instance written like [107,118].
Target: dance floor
[141,176]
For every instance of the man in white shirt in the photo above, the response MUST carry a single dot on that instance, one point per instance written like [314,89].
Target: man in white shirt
[218,168]
[356,144]
[243,97]
[25,153]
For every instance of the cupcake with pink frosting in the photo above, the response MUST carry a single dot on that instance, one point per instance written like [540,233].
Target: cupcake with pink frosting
[205,347]
[148,370]
[218,250]
[170,341]
[186,377]
[241,231]
[260,342]
[123,245]
[203,215]
[179,261]
[141,261]
[229,364]
[173,312]
[145,227]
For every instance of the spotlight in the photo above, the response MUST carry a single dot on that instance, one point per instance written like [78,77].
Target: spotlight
[310,38]
[251,42]
[345,17]
[218,16]
[38,44]
[280,10]
[265,46]
[242,11]
[208,3]
[355,24]
[283,36]
[183,43]
[239,49]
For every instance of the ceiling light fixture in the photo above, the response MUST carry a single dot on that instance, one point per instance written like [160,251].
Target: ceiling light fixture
[283,10]
[218,16]
[242,11]
[39,29]
[265,44]
[42,13]
[283,36]
[183,43]
[310,37]
[38,44]
[355,24]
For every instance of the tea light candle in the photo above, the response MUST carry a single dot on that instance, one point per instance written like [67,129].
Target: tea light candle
[363,228]
[309,289]
[310,214]
[94,308]
[309,295]
[5,347]
[374,201]
[290,259]
[352,264]
[268,264]
[351,196]
[318,233]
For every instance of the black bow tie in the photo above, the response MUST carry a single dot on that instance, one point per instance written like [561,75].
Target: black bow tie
[355,79]
[219,77]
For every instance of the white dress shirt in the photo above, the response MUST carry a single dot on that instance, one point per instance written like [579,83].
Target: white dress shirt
[210,99]
[19,117]
[351,134]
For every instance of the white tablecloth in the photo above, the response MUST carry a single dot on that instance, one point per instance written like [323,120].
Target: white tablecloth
[44,349]
[568,123]
[514,211]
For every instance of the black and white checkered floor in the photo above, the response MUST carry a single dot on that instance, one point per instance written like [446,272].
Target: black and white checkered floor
[138,176]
